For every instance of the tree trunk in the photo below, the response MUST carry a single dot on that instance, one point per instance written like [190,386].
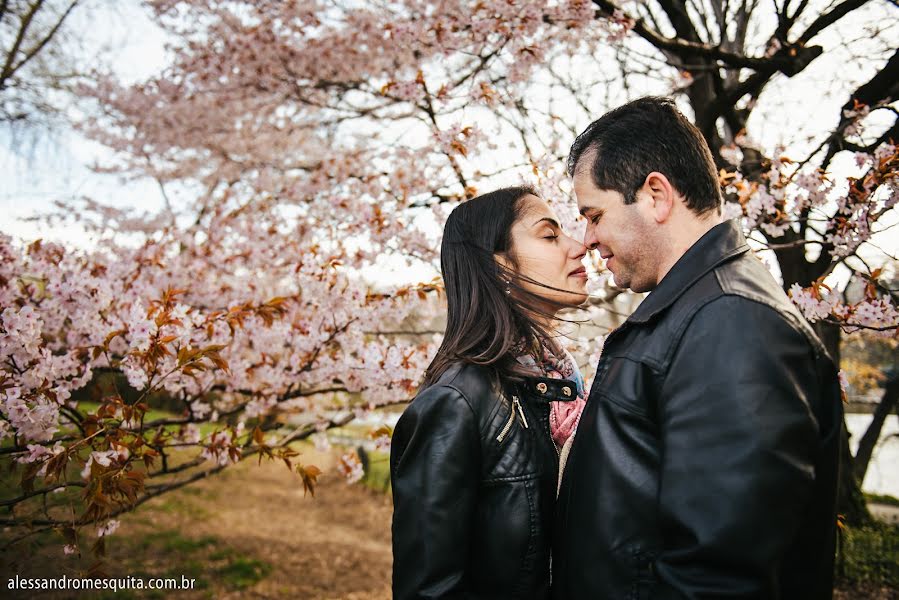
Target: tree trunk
[872,434]
[850,500]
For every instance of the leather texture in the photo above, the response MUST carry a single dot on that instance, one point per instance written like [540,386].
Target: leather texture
[474,473]
[705,463]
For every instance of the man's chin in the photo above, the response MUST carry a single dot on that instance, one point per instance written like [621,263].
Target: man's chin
[620,282]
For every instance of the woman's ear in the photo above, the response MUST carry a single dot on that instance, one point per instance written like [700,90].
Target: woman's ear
[506,266]
[660,194]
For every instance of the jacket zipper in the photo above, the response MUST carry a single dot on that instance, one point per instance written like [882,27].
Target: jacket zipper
[549,432]
[517,404]
[505,431]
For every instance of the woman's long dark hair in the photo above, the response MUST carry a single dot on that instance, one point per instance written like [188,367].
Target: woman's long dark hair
[491,318]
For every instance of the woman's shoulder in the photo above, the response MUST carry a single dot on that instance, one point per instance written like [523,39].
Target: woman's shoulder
[452,402]
[471,380]
[475,385]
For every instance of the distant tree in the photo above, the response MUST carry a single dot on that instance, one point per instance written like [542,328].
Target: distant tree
[35,69]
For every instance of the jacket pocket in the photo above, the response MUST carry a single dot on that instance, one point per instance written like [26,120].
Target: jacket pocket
[628,407]
[629,385]
[506,547]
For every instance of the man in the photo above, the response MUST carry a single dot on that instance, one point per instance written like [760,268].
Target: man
[705,461]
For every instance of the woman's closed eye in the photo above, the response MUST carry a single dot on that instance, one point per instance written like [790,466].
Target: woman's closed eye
[548,228]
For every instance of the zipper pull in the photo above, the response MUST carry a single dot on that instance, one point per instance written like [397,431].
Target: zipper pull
[520,411]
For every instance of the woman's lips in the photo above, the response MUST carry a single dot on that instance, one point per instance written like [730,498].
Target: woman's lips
[582,273]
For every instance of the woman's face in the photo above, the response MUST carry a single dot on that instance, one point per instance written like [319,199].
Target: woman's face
[544,253]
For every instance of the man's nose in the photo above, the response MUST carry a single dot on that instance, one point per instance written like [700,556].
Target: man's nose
[591,242]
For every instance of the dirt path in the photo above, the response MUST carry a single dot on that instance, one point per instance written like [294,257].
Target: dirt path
[336,545]
[246,533]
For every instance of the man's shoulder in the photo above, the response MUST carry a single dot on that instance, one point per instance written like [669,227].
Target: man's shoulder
[745,294]
[750,298]
[743,279]
[749,278]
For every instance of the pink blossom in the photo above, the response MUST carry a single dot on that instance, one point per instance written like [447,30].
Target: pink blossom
[36,452]
[321,442]
[382,443]
[350,467]
[189,434]
[844,381]
[108,528]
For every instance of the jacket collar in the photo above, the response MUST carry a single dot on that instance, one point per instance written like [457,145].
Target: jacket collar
[720,244]
[548,389]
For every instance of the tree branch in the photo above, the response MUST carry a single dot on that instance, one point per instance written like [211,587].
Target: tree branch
[829,18]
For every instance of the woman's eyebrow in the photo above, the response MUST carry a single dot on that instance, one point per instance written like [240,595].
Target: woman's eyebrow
[552,222]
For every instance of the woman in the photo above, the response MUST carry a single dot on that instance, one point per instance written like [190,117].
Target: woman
[475,457]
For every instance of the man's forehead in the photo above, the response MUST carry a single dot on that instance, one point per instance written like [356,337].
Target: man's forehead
[589,197]
[585,161]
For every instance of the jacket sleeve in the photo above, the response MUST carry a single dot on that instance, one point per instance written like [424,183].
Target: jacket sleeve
[435,467]
[739,443]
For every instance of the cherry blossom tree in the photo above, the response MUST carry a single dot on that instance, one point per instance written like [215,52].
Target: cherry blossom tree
[165,323]
[300,144]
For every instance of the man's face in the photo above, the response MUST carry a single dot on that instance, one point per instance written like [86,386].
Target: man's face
[622,233]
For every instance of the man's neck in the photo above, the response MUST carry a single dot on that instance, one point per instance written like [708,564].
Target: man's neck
[689,232]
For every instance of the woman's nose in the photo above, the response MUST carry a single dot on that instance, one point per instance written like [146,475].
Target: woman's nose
[578,250]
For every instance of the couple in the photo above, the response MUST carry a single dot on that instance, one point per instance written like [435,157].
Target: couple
[703,462]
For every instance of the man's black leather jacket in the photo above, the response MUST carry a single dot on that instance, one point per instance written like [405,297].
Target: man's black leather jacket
[474,474]
[705,462]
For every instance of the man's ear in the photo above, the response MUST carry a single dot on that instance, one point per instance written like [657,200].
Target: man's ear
[661,196]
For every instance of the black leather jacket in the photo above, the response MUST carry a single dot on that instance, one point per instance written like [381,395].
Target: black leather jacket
[474,474]
[705,462]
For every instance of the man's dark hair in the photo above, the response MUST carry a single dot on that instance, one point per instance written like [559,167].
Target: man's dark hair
[645,135]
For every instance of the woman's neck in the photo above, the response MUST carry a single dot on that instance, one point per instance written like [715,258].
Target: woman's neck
[545,316]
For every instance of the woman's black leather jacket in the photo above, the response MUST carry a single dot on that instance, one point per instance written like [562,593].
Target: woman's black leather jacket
[474,473]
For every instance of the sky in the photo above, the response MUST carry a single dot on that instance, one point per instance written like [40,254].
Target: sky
[58,167]
[134,47]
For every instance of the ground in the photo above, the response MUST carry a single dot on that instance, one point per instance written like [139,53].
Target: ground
[250,533]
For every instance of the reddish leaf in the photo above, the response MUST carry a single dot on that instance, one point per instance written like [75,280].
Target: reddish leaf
[310,475]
